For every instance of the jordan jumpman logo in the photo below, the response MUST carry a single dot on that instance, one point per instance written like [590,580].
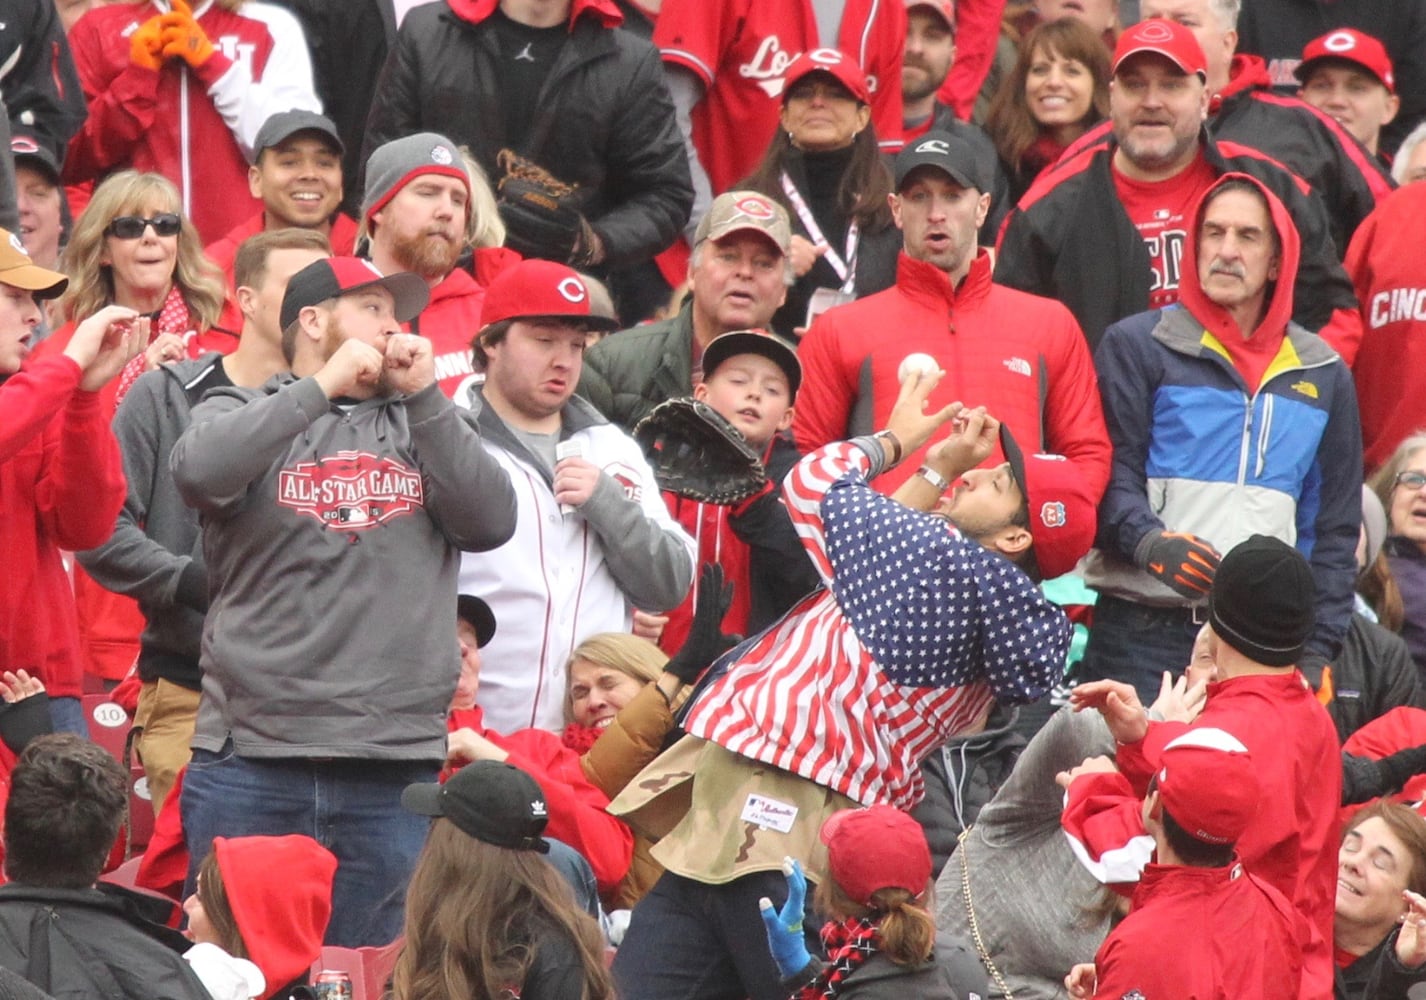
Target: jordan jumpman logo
[525,53]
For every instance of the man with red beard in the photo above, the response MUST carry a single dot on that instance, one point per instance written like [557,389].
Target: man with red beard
[416,213]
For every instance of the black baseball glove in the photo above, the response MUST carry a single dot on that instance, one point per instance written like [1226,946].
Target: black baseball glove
[696,453]
[541,212]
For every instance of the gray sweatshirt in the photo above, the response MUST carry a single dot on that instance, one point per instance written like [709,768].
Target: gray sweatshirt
[333,537]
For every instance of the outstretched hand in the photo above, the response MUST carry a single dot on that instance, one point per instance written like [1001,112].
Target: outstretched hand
[1411,940]
[909,422]
[1118,703]
[784,926]
[105,342]
[974,435]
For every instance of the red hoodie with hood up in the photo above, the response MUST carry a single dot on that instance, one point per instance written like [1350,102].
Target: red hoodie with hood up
[280,892]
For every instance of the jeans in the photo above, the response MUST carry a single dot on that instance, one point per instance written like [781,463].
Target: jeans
[1136,643]
[689,940]
[67,716]
[352,807]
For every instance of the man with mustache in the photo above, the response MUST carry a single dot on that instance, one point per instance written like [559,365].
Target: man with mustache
[1227,420]
[415,214]
[1104,231]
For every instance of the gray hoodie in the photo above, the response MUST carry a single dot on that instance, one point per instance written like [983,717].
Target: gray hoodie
[333,535]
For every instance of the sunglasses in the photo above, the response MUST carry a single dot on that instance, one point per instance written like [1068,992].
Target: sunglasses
[131,227]
[1411,480]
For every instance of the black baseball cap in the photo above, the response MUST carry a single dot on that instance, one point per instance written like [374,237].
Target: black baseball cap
[490,800]
[285,124]
[476,613]
[948,153]
[331,277]
[775,349]
[28,151]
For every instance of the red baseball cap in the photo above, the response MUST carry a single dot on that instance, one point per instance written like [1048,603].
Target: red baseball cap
[541,289]
[946,8]
[1348,45]
[1207,783]
[876,848]
[331,277]
[1166,38]
[843,68]
[1063,509]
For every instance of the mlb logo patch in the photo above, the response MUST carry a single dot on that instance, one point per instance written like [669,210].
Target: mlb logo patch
[1052,515]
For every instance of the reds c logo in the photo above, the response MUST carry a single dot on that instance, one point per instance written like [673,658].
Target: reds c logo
[1153,30]
[1339,41]
[351,490]
[825,57]
[572,290]
[758,208]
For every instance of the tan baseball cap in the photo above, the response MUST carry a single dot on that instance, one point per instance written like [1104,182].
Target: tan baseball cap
[736,211]
[17,269]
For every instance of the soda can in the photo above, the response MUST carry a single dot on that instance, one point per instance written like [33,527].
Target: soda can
[333,984]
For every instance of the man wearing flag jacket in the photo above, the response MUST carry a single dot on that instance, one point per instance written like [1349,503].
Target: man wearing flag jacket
[1102,230]
[1227,420]
[925,621]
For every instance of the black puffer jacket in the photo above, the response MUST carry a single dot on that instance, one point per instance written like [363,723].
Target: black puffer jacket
[628,373]
[605,119]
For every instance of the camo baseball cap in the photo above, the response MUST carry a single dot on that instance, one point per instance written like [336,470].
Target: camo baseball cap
[737,211]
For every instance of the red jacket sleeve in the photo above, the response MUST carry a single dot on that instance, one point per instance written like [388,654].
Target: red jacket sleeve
[31,397]
[122,105]
[82,487]
[577,807]
[977,34]
[824,402]
[1074,415]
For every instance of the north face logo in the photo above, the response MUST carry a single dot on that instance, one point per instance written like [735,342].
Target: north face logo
[351,491]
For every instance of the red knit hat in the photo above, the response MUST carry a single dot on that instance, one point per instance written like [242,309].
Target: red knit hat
[280,892]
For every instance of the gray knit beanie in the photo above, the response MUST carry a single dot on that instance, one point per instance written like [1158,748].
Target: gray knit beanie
[394,165]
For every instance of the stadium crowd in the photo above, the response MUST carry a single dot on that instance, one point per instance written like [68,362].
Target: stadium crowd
[713,499]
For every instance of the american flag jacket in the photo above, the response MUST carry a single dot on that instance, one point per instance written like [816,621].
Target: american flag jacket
[917,630]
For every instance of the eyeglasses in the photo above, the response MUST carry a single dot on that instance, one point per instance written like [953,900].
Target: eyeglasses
[131,227]
[1411,480]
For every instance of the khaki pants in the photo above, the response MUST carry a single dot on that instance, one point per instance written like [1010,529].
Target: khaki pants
[164,722]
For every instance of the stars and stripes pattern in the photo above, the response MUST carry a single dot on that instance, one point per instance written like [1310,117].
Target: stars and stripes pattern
[919,630]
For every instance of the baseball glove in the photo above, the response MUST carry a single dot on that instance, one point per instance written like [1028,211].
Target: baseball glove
[540,211]
[696,453]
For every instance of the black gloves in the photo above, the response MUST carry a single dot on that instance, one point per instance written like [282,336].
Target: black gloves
[1184,562]
[706,641]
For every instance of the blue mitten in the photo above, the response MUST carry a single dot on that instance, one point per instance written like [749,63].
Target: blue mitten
[784,927]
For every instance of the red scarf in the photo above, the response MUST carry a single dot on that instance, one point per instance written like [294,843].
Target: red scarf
[172,318]
[849,944]
[580,738]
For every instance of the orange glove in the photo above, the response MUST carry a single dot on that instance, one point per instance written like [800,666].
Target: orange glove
[183,38]
[146,44]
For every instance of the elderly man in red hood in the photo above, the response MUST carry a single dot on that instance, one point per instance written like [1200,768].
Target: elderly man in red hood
[1227,420]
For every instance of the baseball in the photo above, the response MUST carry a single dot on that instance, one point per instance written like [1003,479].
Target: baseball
[921,363]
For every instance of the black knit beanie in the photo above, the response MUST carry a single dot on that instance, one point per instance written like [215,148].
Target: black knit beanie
[1263,601]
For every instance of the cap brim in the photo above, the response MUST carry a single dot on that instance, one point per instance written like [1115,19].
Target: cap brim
[409,292]
[916,163]
[1016,458]
[1304,69]
[1155,50]
[44,283]
[423,799]
[769,346]
[606,323]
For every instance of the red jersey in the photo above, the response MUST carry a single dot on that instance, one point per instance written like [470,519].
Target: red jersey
[1160,211]
[740,49]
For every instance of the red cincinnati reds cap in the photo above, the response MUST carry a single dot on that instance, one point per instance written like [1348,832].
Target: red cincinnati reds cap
[1348,45]
[876,848]
[843,69]
[1166,38]
[1062,507]
[541,289]
[1207,783]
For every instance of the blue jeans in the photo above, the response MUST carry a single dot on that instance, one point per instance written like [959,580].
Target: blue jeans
[352,807]
[1136,643]
[67,716]
[689,940]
